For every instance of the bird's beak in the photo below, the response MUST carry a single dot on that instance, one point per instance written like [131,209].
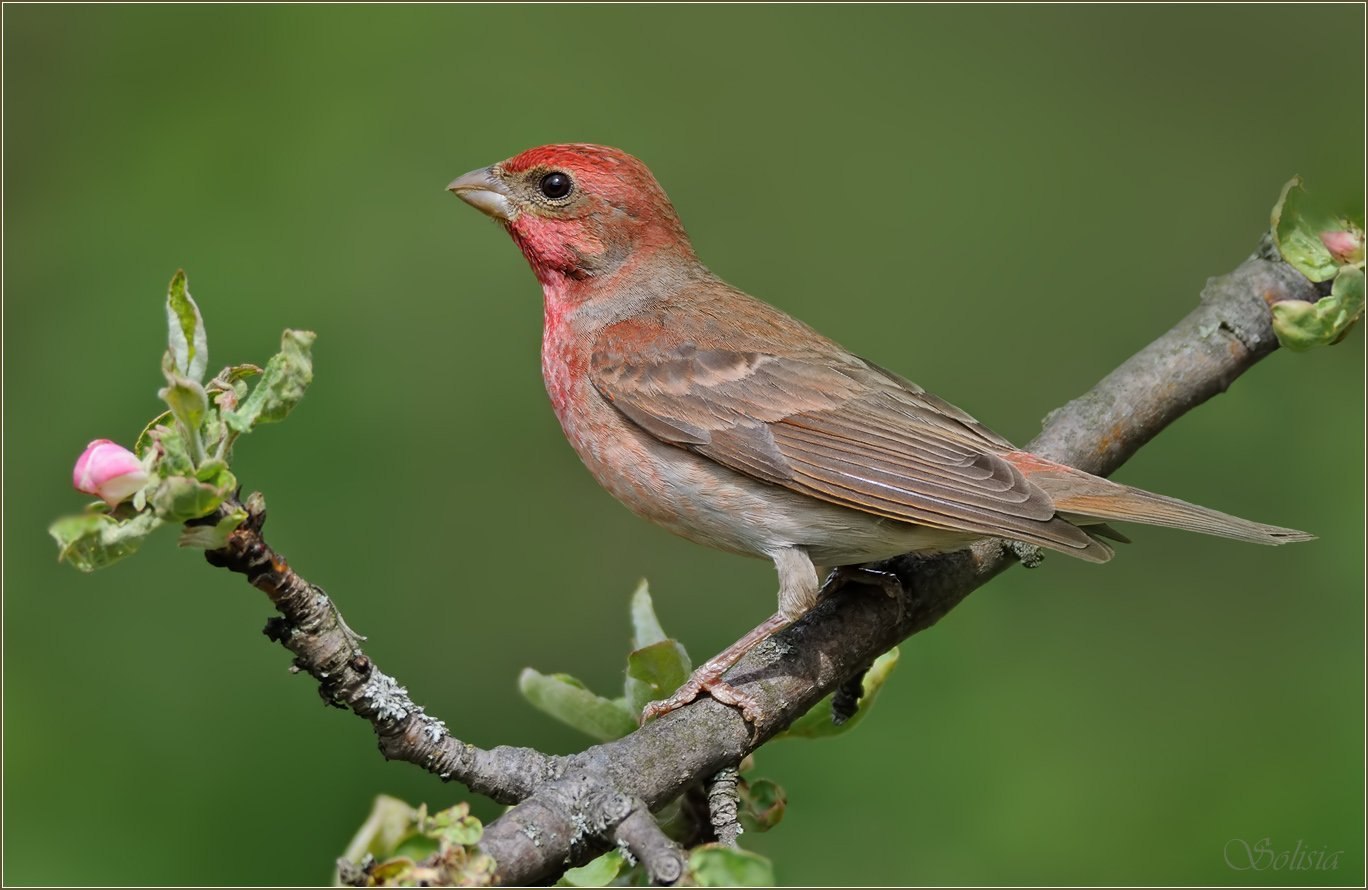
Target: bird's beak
[485,192]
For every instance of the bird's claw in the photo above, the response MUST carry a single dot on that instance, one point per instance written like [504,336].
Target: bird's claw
[887,581]
[716,687]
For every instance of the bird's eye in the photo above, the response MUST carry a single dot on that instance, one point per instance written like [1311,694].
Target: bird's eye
[555,185]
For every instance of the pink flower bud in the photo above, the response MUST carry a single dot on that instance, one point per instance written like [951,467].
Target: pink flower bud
[1345,247]
[109,471]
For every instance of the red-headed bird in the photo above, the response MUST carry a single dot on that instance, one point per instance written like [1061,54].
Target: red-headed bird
[734,425]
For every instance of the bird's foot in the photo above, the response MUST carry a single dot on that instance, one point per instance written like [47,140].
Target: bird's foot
[714,686]
[708,678]
[887,581]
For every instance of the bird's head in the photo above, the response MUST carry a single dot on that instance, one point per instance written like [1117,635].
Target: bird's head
[577,211]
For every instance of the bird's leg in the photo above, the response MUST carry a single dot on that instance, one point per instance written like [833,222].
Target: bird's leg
[797,593]
[708,678]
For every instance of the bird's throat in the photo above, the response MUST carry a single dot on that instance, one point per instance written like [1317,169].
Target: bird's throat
[564,251]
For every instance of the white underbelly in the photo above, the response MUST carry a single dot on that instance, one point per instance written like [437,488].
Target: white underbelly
[713,505]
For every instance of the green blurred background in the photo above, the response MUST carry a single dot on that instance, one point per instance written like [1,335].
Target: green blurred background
[1001,203]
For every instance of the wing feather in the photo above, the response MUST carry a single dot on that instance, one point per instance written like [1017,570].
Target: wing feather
[836,428]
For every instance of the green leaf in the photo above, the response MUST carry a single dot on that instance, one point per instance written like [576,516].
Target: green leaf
[397,872]
[1301,325]
[181,498]
[145,439]
[713,865]
[216,473]
[186,338]
[400,837]
[217,439]
[646,627]
[636,695]
[283,383]
[212,537]
[567,699]
[763,804]
[91,541]
[415,848]
[187,400]
[1348,294]
[598,872]
[226,391]
[455,826]
[1297,237]
[816,723]
[391,820]
[658,669]
[229,377]
[174,457]
[646,631]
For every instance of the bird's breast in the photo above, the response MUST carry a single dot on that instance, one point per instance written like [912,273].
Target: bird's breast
[620,457]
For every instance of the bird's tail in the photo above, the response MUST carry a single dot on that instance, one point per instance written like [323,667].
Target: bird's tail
[1083,498]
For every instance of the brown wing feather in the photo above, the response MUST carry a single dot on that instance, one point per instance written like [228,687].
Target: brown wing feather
[838,429]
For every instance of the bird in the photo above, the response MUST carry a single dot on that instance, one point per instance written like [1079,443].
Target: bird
[727,421]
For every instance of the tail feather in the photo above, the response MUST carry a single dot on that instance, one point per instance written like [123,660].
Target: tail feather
[1102,530]
[1137,505]
[1085,499]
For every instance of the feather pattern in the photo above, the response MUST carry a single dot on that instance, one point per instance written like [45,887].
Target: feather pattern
[832,426]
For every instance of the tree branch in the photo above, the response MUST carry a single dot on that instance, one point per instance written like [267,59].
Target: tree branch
[569,808]
[313,629]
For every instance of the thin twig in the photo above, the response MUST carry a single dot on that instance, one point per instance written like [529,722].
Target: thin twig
[311,627]
[723,804]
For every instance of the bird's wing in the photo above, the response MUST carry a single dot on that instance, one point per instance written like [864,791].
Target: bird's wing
[836,428]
